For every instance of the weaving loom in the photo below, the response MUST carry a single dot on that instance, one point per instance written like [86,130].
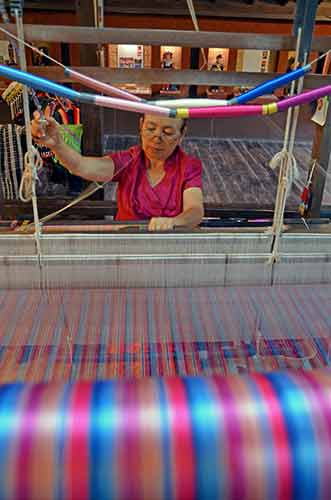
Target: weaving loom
[130,361]
[253,436]
[201,258]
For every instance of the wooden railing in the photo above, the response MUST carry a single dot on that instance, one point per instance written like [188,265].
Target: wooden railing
[88,35]
[182,38]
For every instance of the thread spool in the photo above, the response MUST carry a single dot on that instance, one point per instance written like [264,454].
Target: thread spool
[254,437]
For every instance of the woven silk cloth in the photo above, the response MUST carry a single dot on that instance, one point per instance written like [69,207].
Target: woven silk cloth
[96,362]
[261,437]
[12,149]
[94,334]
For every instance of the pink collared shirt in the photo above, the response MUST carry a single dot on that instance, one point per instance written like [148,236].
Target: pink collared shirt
[137,199]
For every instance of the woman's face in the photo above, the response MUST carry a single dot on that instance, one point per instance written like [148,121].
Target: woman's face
[160,136]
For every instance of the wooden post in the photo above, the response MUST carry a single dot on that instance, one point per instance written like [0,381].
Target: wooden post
[322,154]
[92,117]
[232,60]
[305,17]
[195,53]
[156,63]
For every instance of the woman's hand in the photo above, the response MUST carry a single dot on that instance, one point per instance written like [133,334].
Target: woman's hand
[46,132]
[161,224]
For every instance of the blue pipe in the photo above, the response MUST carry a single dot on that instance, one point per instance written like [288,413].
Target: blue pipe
[270,85]
[39,83]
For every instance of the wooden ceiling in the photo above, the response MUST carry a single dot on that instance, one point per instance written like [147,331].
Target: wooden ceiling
[259,9]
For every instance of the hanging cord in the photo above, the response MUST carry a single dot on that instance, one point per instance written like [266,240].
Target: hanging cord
[287,168]
[99,23]
[306,195]
[14,5]
[320,57]
[32,158]
[286,357]
[285,155]
[3,12]
[32,163]
[311,173]
[20,39]
[196,27]
[287,174]
[91,189]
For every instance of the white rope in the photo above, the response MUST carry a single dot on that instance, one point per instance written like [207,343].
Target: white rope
[284,154]
[320,57]
[286,178]
[259,340]
[20,39]
[311,173]
[32,159]
[288,166]
[196,27]
[32,163]
[91,189]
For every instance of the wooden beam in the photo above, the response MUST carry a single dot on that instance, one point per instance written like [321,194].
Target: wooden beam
[224,9]
[219,8]
[97,209]
[182,38]
[205,10]
[182,77]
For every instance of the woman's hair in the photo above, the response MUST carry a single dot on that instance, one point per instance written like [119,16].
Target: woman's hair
[184,123]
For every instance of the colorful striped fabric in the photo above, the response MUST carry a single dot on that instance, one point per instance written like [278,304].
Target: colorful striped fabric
[261,437]
[146,315]
[97,334]
[30,363]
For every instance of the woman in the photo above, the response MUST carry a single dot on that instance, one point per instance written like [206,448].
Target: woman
[217,66]
[156,180]
[168,63]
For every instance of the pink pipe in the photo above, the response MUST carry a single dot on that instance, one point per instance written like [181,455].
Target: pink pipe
[125,105]
[304,98]
[225,111]
[100,86]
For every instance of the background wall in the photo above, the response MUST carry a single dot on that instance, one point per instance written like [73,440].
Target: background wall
[179,23]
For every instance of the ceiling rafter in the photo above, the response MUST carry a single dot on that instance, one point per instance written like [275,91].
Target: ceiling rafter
[260,9]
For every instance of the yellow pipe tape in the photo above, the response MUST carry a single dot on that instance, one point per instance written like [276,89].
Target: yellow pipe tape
[182,113]
[269,109]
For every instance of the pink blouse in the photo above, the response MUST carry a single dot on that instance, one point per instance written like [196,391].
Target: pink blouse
[137,199]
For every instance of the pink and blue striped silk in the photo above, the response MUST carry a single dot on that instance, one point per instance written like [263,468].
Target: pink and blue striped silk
[261,437]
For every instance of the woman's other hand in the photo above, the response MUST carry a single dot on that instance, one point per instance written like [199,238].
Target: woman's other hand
[161,224]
